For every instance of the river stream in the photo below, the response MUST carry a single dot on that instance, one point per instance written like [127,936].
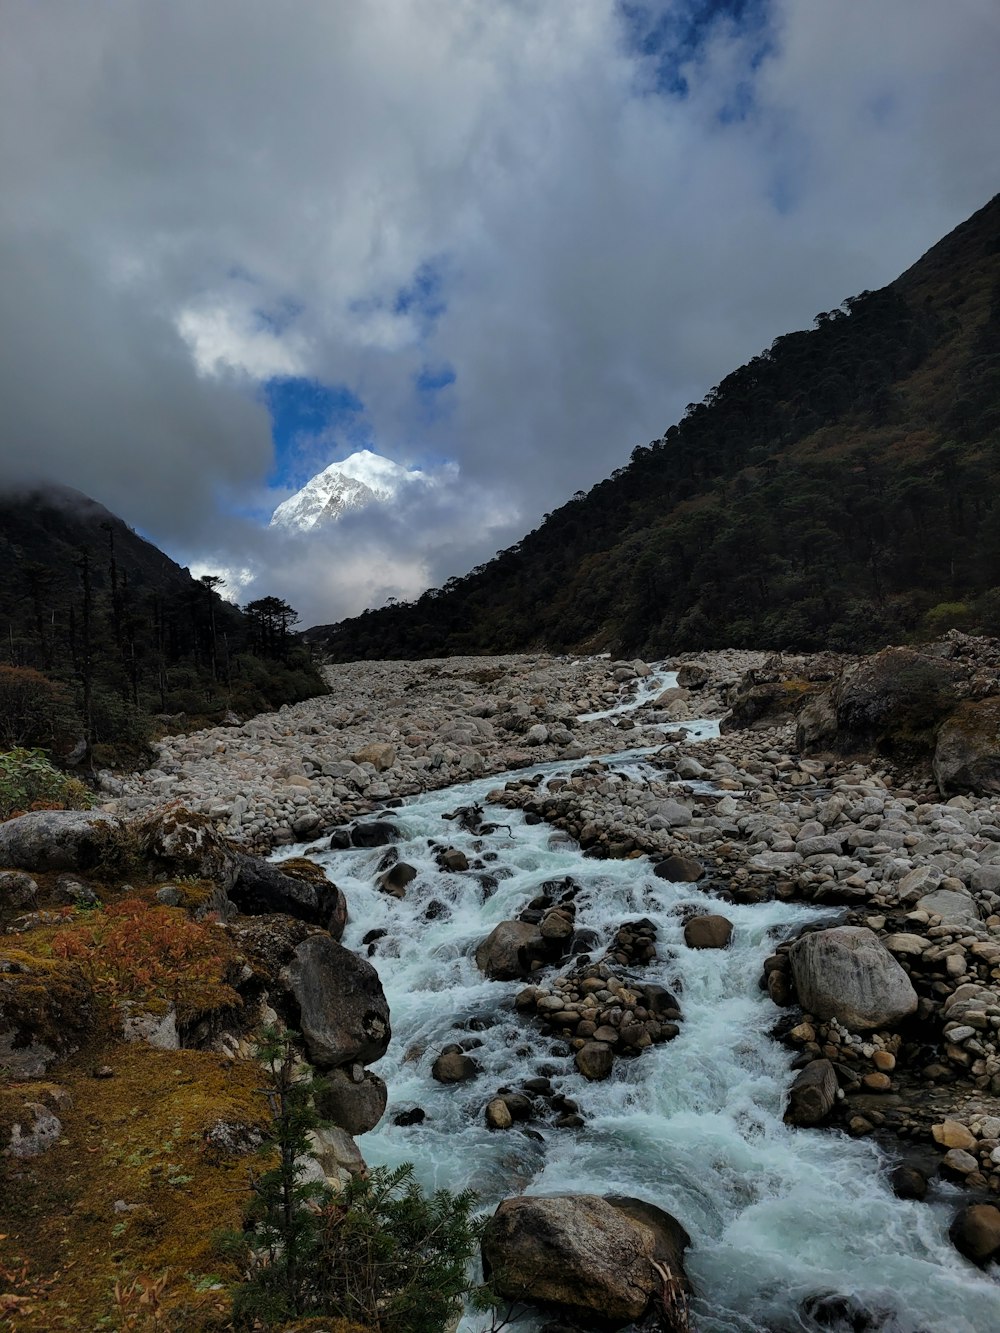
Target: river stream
[778,1217]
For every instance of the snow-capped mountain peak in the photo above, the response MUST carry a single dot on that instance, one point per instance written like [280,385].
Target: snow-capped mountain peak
[363,479]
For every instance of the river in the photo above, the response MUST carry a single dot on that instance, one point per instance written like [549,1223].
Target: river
[778,1217]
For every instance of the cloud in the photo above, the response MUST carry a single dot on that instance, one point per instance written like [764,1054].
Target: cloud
[522,235]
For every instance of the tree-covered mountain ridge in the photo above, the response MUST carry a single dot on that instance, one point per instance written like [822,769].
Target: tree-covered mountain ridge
[841,489]
[102,632]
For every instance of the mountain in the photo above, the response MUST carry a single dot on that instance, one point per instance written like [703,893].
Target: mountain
[841,489]
[103,630]
[363,479]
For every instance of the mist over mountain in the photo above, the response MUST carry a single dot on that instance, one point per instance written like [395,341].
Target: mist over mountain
[839,489]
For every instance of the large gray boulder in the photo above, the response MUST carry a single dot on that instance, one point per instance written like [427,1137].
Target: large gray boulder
[846,973]
[343,1014]
[600,1262]
[58,839]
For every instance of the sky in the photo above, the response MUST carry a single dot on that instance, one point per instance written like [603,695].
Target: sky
[502,241]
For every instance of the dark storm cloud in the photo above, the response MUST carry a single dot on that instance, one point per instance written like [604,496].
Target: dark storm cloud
[584,213]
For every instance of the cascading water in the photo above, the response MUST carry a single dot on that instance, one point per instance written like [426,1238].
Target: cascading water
[777,1216]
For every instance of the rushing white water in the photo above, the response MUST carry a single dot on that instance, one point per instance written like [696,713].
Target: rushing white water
[776,1215]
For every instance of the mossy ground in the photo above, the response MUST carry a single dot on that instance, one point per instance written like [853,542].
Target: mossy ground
[138,1137]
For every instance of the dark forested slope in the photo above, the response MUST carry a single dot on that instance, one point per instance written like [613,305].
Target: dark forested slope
[118,632]
[841,489]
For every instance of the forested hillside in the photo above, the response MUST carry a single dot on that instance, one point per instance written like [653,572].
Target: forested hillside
[102,631]
[841,489]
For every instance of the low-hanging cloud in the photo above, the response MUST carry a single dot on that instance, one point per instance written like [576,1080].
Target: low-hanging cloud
[200,197]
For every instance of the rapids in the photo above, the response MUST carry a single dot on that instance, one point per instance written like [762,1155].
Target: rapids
[778,1216]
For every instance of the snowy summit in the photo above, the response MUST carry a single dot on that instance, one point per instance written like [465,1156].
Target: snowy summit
[363,479]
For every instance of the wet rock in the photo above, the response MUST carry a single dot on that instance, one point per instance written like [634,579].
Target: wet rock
[587,1259]
[498,1115]
[394,880]
[908,1183]
[453,859]
[454,1066]
[376,833]
[975,1232]
[594,1060]
[679,870]
[343,1015]
[506,953]
[848,974]
[813,1094]
[708,932]
[352,1098]
[415,1116]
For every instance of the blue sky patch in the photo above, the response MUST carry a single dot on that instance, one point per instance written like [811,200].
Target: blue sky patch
[672,36]
[304,413]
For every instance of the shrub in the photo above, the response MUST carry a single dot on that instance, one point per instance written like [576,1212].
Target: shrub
[28,781]
[137,952]
[34,710]
[382,1254]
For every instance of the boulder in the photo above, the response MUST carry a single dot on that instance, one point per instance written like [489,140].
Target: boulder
[594,1060]
[598,1262]
[343,1015]
[59,840]
[498,1114]
[679,870]
[975,1232]
[848,974]
[950,906]
[33,1132]
[967,751]
[769,704]
[908,1183]
[891,703]
[394,880]
[336,1152]
[376,833]
[262,887]
[17,889]
[352,1098]
[708,932]
[177,842]
[454,1066]
[505,954]
[692,676]
[813,1094]
[379,754]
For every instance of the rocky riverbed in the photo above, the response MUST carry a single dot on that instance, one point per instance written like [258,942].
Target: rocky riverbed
[858,903]
[393,729]
[743,814]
